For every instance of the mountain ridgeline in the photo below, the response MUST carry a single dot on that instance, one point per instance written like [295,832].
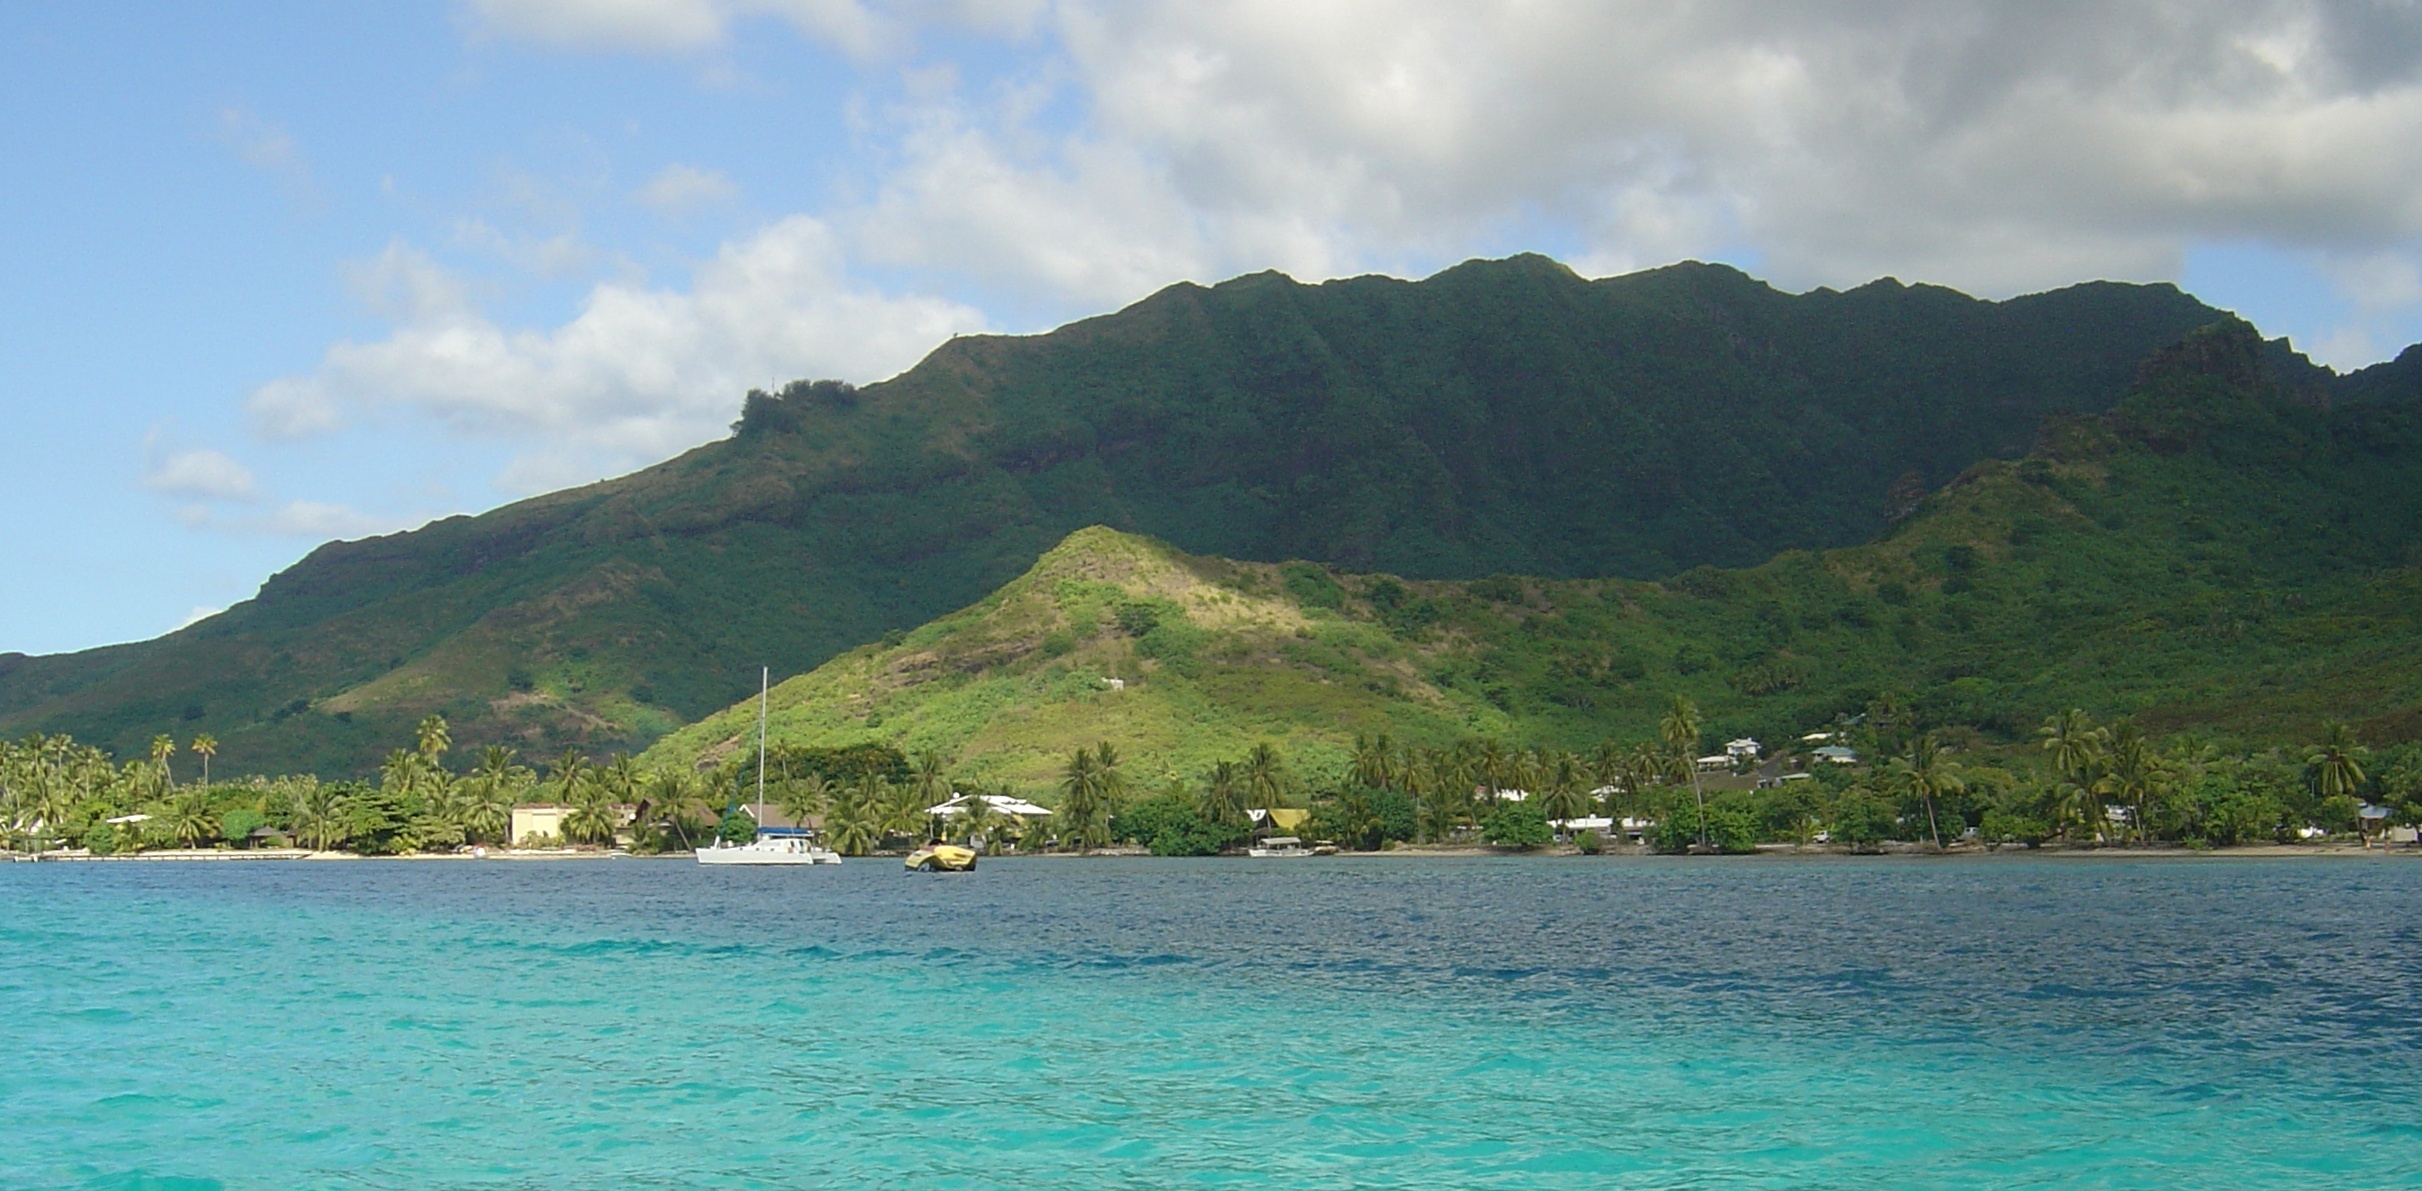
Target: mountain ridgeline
[1502,417]
[2219,552]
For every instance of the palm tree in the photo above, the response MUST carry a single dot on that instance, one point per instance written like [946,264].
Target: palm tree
[189,819]
[1567,792]
[432,738]
[206,746]
[1374,762]
[1924,773]
[2072,741]
[1114,783]
[1083,819]
[799,799]
[161,749]
[850,825]
[670,799]
[1223,796]
[1680,731]
[977,820]
[2336,765]
[319,816]
[570,772]
[1492,767]
[903,810]
[1266,776]
[2133,772]
[933,777]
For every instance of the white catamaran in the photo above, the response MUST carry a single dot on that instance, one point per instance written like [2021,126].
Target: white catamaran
[773,845]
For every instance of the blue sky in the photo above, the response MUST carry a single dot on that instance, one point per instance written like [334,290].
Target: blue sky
[303,271]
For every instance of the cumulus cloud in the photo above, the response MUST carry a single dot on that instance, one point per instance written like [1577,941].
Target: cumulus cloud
[679,189]
[1997,146]
[660,26]
[639,373]
[202,474]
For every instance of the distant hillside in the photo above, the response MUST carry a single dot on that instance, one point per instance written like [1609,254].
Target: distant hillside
[1502,416]
[2220,552]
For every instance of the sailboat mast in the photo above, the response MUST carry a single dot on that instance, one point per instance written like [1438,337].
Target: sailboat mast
[765,681]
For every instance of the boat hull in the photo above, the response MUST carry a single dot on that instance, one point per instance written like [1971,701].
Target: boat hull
[783,853]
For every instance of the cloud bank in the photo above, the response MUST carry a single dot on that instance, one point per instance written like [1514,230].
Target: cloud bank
[1082,154]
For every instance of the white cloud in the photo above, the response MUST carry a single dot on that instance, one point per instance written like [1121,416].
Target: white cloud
[266,147]
[652,25]
[202,474]
[322,520]
[638,374]
[679,189]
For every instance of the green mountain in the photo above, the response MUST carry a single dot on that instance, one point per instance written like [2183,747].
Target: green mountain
[2222,551]
[1501,417]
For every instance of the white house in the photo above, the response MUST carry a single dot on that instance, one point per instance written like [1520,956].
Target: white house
[1715,763]
[1744,748]
[1838,755]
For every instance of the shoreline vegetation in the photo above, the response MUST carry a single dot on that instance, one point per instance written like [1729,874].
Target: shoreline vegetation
[1877,783]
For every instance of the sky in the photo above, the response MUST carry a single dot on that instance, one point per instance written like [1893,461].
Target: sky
[280,273]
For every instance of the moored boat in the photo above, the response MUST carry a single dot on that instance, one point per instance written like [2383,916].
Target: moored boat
[1279,847]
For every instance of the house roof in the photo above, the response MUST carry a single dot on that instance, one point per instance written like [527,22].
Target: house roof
[1003,803]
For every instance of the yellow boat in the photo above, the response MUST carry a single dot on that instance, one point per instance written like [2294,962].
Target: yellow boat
[942,858]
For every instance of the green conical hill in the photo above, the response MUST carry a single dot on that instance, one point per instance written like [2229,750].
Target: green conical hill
[1180,660]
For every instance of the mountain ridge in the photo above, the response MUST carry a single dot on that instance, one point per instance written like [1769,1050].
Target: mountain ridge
[1497,417]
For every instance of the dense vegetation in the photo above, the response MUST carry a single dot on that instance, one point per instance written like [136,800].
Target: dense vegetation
[1502,417]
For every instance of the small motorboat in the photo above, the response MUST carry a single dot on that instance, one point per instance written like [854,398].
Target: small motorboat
[1281,846]
[941,858]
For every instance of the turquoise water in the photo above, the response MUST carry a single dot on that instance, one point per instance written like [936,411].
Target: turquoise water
[1133,1023]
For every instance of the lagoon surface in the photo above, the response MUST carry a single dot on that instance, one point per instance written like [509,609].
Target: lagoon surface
[1462,1022]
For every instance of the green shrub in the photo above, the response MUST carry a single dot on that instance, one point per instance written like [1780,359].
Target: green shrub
[237,826]
[1518,825]
[1589,843]
[101,839]
[1729,829]
[737,827]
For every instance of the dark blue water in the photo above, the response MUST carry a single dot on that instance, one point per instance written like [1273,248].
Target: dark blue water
[1132,1023]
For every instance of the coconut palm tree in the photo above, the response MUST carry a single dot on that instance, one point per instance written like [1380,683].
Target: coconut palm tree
[2133,772]
[1566,795]
[799,799]
[978,820]
[432,738]
[162,748]
[570,772]
[1374,762]
[932,775]
[2336,764]
[1681,732]
[2071,742]
[189,819]
[851,824]
[1926,774]
[319,816]
[1083,819]
[1266,776]
[1223,796]
[205,746]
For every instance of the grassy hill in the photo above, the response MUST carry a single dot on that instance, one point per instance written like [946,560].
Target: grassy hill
[2222,551]
[1501,417]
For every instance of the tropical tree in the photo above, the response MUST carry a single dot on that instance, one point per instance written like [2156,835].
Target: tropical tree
[1223,796]
[799,799]
[2071,742]
[205,746]
[190,820]
[1266,780]
[1084,813]
[1566,793]
[1681,732]
[1374,762]
[569,773]
[932,777]
[432,738]
[1925,774]
[851,824]
[2336,764]
[2133,772]
[319,816]
[162,748]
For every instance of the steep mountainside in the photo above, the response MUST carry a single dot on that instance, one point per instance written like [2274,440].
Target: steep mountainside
[1499,417]
[2219,552]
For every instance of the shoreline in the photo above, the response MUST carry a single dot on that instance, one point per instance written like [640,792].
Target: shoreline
[1766,852]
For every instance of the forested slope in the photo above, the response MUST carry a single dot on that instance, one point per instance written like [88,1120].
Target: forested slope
[1502,416]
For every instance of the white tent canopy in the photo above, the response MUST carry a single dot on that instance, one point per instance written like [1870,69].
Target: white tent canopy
[1000,803]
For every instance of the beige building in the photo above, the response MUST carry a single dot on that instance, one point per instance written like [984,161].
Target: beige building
[539,819]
